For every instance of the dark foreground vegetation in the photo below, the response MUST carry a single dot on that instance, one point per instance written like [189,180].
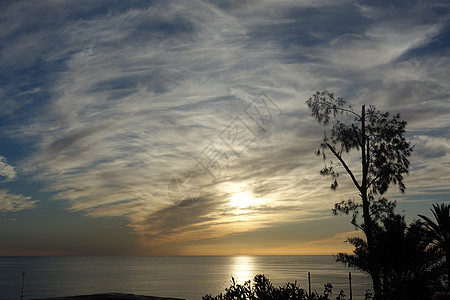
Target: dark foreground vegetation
[262,288]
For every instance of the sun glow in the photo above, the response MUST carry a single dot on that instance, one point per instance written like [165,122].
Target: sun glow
[243,200]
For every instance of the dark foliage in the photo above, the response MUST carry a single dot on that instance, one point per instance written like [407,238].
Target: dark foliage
[439,232]
[379,209]
[262,289]
[378,135]
[408,267]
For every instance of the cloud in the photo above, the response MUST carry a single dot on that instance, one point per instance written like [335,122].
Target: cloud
[124,97]
[429,147]
[429,171]
[7,172]
[13,202]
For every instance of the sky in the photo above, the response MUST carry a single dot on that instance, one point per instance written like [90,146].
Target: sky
[181,128]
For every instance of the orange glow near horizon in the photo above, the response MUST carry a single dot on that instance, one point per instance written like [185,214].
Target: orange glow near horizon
[327,246]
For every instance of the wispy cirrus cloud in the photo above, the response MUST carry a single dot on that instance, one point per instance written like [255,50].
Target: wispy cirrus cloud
[7,172]
[12,202]
[124,97]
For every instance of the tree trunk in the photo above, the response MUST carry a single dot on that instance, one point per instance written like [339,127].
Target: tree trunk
[373,263]
[368,225]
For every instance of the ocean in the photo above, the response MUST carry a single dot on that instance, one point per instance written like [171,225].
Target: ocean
[187,277]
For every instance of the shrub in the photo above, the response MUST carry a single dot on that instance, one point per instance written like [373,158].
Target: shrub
[262,289]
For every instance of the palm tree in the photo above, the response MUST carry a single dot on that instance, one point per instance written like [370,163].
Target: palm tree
[405,262]
[439,232]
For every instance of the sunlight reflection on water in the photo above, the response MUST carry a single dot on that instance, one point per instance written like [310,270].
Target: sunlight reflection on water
[243,268]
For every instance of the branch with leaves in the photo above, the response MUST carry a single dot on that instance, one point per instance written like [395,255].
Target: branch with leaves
[379,137]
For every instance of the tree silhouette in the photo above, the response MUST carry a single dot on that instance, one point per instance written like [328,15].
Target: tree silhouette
[407,265]
[440,231]
[379,139]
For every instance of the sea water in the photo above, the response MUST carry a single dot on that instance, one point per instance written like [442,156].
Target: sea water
[187,277]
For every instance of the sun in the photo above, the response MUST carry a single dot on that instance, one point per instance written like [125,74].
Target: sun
[243,200]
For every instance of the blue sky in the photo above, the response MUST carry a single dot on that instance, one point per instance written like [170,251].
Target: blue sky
[107,107]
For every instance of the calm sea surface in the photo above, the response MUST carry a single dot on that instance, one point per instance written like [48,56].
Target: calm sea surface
[183,277]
